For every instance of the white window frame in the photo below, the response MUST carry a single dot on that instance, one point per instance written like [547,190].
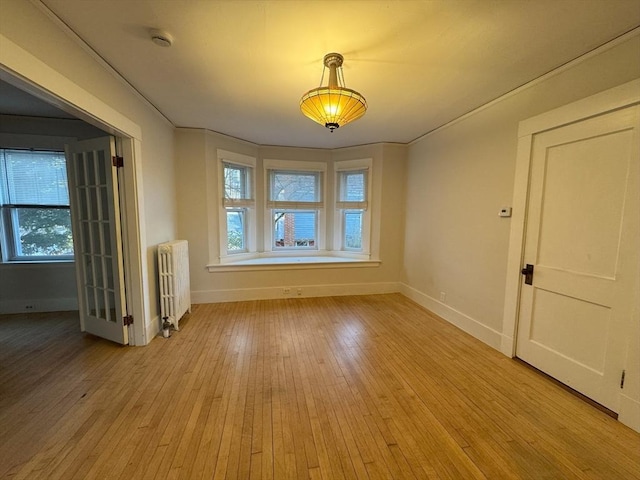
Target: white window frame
[247,205]
[293,166]
[362,165]
[9,223]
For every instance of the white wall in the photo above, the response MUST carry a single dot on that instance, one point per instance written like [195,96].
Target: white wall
[460,176]
[38,287]
[198,219]
[28,27]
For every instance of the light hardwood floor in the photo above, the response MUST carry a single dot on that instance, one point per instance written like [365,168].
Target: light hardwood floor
[345,387]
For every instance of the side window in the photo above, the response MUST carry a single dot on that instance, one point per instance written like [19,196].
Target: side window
[34,203]
[295,202]
[238,205]
[352,201]
[352,219]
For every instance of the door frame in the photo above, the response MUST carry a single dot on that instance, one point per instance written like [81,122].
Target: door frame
[25,71]
[619,97]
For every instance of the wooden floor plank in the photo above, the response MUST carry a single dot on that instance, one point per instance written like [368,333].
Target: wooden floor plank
[329,388]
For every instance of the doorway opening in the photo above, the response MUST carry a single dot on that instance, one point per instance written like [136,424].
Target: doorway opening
[127,135]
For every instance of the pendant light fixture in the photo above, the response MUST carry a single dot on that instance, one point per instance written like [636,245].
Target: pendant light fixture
[333,105]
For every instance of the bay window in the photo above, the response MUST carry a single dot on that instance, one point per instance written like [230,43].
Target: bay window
[293,212]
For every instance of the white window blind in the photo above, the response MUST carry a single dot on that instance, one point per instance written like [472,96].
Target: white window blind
[238,191]
[35,178]
[295,190]
[352,190]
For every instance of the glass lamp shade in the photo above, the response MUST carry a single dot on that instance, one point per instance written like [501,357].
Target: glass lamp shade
[333,106]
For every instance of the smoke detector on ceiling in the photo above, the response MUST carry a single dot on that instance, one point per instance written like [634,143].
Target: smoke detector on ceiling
[161,38]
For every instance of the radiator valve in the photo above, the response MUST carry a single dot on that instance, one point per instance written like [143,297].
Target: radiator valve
[166,328]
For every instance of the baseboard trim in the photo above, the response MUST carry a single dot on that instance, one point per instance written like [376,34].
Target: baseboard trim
[507,346]
[629,413]
[152,329]
[38,305]
[465,323]
[268,293]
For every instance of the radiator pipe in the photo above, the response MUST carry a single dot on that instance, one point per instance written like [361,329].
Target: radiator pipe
[166,327]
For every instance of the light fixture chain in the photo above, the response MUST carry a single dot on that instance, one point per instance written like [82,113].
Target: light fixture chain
[341,77]
[322,77]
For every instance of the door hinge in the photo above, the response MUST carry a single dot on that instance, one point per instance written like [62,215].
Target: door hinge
[127,320]
[622,379]
[118,162]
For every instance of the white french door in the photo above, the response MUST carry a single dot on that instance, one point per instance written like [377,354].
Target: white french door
[581,242]
[95,215]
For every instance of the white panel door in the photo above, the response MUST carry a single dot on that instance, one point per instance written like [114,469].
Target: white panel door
[582,241]
[95,214]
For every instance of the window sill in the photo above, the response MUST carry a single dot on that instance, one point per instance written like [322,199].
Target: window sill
[37,263]
[292,263]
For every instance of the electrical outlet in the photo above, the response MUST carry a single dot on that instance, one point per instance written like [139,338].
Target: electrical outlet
[443,297]
[28,307]
[505,212]
[286,291]
[299,292]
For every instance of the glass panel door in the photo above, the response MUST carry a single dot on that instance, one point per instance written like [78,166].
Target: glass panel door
[97,234]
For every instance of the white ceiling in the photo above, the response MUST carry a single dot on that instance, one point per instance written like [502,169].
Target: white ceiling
[240,67]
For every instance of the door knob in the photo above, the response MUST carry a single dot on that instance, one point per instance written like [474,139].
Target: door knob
[527,271]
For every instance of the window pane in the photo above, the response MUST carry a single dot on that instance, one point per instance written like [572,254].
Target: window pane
[36,178]
[235,182]
[43,232]
[352,187]
[295,186]
[235,230]
[353,230]
[294,229]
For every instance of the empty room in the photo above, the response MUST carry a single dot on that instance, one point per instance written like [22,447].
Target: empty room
[319,239]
